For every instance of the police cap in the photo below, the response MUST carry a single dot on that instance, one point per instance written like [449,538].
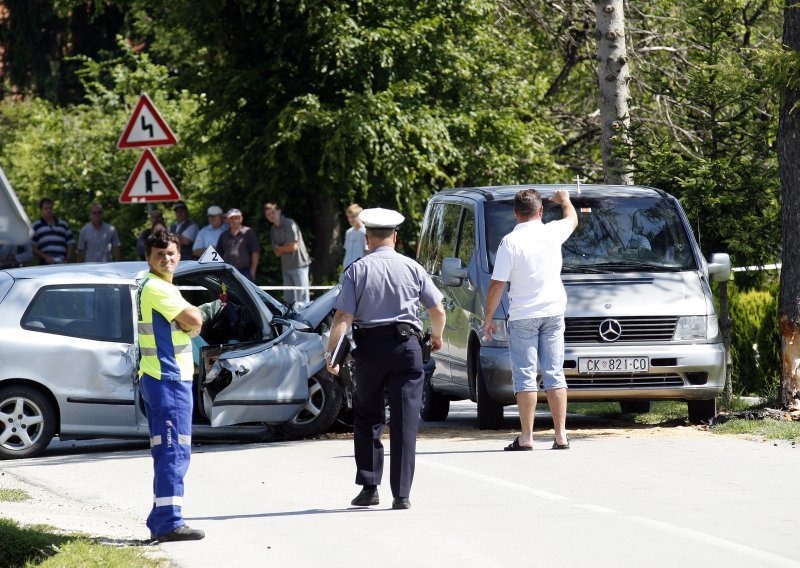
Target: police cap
[379,218]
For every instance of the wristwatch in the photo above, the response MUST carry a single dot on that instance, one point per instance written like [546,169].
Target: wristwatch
[327,355]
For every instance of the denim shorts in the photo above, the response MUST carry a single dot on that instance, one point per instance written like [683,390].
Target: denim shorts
[537,340]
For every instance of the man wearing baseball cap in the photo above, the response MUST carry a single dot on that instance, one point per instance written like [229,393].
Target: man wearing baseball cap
[185,228]
[239,245]
[208,236]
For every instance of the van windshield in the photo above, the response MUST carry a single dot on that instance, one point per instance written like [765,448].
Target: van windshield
[614,234]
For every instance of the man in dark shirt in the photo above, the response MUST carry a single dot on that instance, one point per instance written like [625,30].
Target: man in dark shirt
[239,245]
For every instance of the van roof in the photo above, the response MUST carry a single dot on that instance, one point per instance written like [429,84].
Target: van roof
[501,192]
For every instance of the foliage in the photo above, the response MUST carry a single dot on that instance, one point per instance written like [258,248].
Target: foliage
[708,133]
[319,105]
[755,340]
[70,154]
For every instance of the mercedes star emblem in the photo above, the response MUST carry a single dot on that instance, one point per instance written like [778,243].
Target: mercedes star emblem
[610,330]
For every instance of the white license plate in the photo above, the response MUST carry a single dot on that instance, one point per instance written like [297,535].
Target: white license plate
[589,365]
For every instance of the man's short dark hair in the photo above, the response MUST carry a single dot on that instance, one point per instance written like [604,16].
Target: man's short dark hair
[45,200]
[527,202]
[160,240]
[381,233]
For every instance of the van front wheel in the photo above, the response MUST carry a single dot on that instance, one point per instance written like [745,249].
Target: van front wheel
[490,412]
[435,407]
[702,411]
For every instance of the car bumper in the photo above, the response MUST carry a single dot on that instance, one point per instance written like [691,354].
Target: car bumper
[677,372]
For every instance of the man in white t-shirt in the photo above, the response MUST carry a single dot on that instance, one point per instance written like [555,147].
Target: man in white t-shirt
[529,258]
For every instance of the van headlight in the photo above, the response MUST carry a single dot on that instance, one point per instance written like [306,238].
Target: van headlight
[691,328]
[501,332]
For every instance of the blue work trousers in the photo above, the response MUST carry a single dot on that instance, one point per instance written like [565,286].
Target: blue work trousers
[169,416]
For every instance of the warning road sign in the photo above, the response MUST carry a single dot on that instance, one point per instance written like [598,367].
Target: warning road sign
[149,182]
[146,127]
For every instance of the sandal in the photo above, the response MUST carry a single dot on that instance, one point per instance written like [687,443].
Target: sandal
[557,446]
[515,447]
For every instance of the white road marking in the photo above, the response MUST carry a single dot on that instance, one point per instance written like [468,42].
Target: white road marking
[763,557]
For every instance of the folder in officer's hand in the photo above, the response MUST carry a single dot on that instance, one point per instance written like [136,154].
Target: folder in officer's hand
[340,351]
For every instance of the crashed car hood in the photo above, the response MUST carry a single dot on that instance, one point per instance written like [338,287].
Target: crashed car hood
[635,294]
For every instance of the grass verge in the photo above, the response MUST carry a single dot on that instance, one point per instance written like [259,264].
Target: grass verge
[675,412]
[13,495]
[25,546]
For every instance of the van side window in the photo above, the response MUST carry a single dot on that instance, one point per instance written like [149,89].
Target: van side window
[450,221]
[466,240]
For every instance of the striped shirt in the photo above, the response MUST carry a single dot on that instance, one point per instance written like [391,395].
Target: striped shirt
[54,239]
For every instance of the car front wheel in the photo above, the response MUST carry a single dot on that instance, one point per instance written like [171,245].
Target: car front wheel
[320,410]
[27,422]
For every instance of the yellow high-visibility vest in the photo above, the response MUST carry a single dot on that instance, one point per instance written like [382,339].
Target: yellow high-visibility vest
[165,349]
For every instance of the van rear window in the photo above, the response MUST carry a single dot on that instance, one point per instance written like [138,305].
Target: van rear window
[619,234]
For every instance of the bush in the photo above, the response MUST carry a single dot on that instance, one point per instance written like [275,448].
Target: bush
[755,340]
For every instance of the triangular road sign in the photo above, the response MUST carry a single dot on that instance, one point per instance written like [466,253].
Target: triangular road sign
[149,182]
[146,127]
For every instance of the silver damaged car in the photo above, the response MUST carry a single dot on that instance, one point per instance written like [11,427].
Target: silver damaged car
[68,356]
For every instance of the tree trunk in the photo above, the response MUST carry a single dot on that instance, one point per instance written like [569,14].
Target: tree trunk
[326,252]
[613,77]
[789,169]
[725,323]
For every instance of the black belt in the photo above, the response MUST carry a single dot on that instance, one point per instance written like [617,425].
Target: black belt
[379,330]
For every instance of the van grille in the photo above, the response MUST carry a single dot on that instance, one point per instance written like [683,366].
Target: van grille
[634,328]
[584,382]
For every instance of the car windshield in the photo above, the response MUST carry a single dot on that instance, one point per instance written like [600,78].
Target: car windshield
[614,234]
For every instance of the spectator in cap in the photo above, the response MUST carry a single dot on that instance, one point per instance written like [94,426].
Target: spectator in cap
[355,239]
[98,241]
[156,216]
[239,245]
[380,296]
[288,245]
[208,236]
[185,228]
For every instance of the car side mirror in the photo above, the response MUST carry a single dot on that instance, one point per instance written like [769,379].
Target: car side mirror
[719,269]
[453,273]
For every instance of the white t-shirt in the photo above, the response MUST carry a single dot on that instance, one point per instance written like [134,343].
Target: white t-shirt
[355,245]
[529,258]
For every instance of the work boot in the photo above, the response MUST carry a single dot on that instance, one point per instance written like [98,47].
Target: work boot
[183,532]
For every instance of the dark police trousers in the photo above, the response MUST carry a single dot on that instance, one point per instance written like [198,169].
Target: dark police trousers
[385,361]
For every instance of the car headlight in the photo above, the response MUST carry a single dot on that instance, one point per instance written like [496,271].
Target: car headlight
[691,328]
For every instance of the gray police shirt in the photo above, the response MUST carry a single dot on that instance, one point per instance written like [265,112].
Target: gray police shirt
[384,287]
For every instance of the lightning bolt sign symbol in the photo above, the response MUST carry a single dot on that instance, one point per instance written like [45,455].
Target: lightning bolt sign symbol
[146,126]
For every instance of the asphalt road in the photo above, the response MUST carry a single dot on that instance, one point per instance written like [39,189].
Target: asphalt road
[615,499]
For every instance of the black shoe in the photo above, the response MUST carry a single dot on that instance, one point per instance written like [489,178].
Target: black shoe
[401,503]
[183,532]
[367,497]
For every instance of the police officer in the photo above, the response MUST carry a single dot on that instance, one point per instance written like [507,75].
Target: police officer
[167,323]
[379,298]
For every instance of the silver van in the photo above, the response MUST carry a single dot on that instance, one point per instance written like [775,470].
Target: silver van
[640,322]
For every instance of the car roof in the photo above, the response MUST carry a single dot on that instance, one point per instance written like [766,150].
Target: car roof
[502,192]
[90,272]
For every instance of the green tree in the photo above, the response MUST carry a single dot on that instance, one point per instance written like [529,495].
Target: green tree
[317,104]
[69,153]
